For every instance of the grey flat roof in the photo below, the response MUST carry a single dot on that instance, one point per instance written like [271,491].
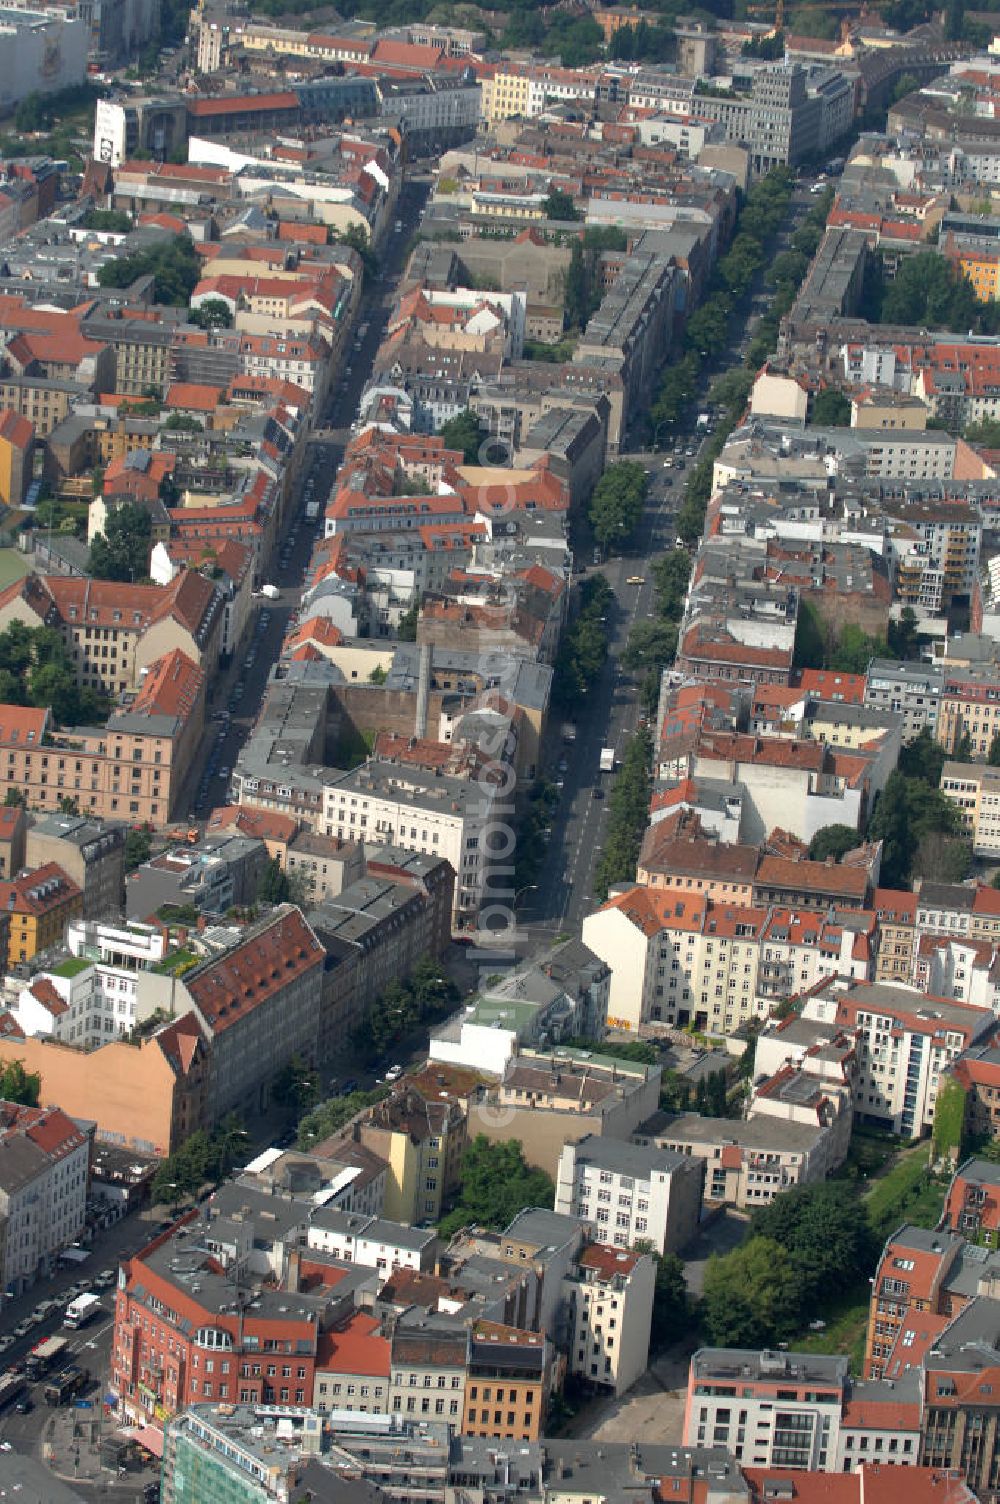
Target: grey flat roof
[724,1362]
[624,1158]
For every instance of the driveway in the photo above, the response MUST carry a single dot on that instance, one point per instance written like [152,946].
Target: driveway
[725,1232]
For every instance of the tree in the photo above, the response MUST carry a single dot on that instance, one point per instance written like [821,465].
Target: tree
[751,1296]
[214,313]
[296,1087]
[406,631]
[907,811]
[112,221]
[558,204]
[273,884]
[825,1230]
[943,858]
[930,291]
[831,409]
[651,644]
[17,1085]
[174,265]
[183,423]
[330,1116]
[986,433]
[616,503]
[993,757]
[905,84]
[576,293]
[832,841]
[923,758]
[465,433]
[122,551]
[671,1305]
[496,1184]
[15,797]
[138,845]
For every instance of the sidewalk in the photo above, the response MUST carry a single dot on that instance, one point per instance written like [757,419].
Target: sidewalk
[70,1448]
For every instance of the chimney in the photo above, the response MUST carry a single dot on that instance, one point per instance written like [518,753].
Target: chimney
[294,1271]
[423,691]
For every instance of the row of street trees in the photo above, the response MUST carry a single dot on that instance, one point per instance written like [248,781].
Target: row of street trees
[628,813]
[652,645]
[616,503]
[584,646]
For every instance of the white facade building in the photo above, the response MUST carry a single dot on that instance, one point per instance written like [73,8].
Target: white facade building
[630,1195]
[44,1164]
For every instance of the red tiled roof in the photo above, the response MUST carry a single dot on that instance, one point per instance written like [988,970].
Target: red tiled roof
[172,687]
[254,971]
[242,103]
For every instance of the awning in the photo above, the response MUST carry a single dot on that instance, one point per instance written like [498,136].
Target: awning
[151,1437]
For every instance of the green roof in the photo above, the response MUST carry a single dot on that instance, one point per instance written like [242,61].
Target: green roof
[177,961]
[71,967]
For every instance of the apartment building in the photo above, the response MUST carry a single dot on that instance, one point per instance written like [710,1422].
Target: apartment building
[905,1041]
[972,1205]
[408,806]
[676,957]
[564,995]
[977,1074]
[429,1366]
[180,1338]
[509,1380]
[969,708]
[605,1321]
[547,1099]
[115,632]
[974,790]
[919,1271]
[896,912]
[96,992]
[44,1181]
[258,1005]
[40,904]
[770,1409]
[746,1164]
[90,851]
[911,690]
[375,1242]
[628,1194]
[422,1140]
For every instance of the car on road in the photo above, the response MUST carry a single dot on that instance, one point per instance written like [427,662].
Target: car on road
[105,1279]
[394,1072]
[597,793]
[23,1328]
[6,1341]
[636,579]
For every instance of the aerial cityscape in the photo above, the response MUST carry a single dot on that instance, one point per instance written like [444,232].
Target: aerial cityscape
[500,752]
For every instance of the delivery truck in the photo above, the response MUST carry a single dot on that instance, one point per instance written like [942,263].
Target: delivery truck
[607,759]
[80,1310]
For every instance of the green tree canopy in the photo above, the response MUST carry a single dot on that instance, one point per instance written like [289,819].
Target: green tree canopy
[496,1184]
[832,841]
[616,503]
[214,313]
[831,409]
[751,1296]
[558,204]
[464,432]
[174,266]
[825,1231]
[18,1085]
[122,551]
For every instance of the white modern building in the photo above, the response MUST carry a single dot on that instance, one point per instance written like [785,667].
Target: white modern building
[97,992]
[629,1194]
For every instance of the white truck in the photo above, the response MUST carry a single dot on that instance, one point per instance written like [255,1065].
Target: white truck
[270,591]
[704,422]
[80,1310]
[312,510]
[607,759]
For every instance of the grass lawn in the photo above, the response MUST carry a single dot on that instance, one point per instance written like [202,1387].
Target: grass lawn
[846,1322]
[906,1193]
[13,566]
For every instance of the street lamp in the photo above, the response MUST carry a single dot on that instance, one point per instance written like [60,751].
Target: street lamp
[528,887]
